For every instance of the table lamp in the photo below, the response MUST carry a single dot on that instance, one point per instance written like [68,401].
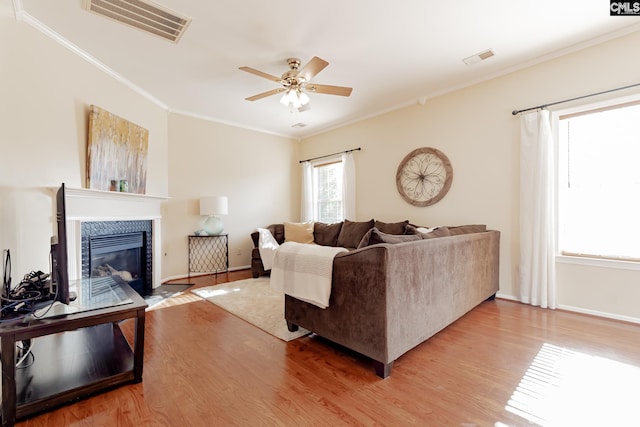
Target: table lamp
[212,207]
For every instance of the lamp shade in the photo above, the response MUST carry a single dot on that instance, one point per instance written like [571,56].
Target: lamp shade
[215,205]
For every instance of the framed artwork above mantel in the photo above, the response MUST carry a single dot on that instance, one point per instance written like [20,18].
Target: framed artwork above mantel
[117,152]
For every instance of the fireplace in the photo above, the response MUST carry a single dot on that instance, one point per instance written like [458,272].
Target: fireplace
[102,213]
[120,249]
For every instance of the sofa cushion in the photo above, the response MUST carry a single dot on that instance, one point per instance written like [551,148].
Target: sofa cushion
[326,234]
[391,227]
[375,236]
[299,232]
[466,229]
[352,232]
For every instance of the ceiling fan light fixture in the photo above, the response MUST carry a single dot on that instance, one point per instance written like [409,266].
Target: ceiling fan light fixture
[304,98]
[294,98]
[288,98]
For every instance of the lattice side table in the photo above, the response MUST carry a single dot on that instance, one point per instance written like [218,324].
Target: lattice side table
[208,254]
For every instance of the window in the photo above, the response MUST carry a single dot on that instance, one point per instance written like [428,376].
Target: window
[599,183]
[327,192]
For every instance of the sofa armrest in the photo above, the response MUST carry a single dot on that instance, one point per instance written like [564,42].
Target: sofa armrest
[277,231]
[257,268]
[355,317]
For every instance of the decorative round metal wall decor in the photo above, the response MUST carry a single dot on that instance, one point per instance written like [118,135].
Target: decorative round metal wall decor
[424,176]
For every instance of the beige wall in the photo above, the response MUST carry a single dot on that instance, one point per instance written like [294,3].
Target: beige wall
[256,171]
[475,129]
[45,94]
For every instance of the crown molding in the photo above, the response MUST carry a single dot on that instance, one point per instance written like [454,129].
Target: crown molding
[22,15]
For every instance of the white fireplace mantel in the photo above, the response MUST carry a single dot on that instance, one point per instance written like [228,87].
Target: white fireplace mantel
[83,205]
[95,205]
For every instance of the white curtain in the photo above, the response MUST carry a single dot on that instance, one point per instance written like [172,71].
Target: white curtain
[537,212]
[348,186]
[306,210]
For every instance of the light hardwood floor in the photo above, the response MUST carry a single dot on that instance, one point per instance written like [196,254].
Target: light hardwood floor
[503,364]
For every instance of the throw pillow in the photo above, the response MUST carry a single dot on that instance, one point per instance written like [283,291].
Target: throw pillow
[352,232]
[376,236]
[391,227]
[435,232]
[428,233]
[466,229]
[412,229]
[365,239]
[326,234]
[299,232]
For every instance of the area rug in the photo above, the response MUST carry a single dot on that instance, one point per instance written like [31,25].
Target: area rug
[254,301]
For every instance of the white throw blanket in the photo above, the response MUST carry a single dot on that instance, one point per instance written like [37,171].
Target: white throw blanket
[267,246]
[304,271]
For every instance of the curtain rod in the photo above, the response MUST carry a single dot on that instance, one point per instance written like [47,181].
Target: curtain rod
[516,112]
[329,155]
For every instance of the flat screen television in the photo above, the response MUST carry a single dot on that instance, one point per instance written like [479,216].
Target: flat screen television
[59,259]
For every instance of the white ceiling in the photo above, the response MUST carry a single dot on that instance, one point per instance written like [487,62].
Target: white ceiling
[393,53]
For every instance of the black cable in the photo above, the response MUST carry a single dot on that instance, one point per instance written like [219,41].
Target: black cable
[6,283]
[10,305]
[14,319]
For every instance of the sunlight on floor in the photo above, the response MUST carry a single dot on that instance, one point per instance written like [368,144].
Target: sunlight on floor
[191,296]
[178,299]
[563,387]
[207,293]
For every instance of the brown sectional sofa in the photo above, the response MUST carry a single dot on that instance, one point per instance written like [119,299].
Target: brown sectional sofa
[387,298]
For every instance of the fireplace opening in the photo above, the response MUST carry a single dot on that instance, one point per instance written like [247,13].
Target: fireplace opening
[121,257]
[132,237]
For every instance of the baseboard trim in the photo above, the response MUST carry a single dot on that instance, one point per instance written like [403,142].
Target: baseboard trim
[612,316]
[507,296]
[596,313]
[186,276]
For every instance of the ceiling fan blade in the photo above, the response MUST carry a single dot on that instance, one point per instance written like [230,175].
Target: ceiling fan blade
[312,68]
[260,73]
[328,89]
[265,94]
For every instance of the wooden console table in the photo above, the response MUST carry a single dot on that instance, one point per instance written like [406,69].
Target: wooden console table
[74,356]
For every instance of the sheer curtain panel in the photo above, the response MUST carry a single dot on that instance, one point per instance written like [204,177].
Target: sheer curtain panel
[348,186]
[306,210]
[537,211]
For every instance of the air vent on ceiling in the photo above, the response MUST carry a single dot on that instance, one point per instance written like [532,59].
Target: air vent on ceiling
[143,15]
[478,57]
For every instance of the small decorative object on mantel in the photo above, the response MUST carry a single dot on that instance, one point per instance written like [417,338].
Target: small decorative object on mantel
[424,176]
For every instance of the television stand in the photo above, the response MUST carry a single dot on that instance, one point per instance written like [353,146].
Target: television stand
[74,356]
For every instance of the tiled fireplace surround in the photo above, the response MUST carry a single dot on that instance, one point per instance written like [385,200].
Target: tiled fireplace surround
[83,205]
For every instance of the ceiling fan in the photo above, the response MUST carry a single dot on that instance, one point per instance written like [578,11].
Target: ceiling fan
[296,83]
